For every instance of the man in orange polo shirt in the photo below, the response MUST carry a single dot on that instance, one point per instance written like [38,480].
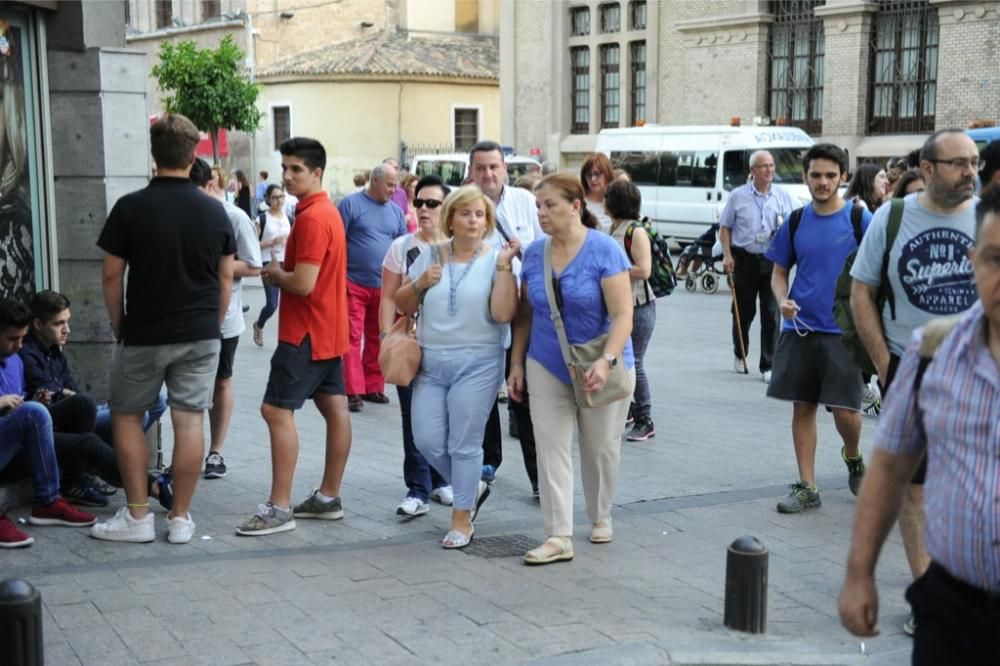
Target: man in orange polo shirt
[312,339]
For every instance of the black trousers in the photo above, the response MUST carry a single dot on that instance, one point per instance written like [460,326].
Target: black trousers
[493,438]
[956,623]
[752,279]
[76,413]
[78,449]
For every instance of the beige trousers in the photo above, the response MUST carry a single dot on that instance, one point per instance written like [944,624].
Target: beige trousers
[554,413]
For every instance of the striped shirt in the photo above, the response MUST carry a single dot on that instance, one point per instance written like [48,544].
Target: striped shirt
[959,425]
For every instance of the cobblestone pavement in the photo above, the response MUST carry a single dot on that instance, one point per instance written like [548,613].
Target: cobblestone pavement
[374,589]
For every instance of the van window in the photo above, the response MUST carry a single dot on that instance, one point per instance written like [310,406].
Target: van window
[641,167]
[689,169]
[735,168]
[517,169]
[787,166]
[450,171]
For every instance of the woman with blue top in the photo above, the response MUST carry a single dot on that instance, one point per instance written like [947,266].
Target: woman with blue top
[591,276]
[466,293]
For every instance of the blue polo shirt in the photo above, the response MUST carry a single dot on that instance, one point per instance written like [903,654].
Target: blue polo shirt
[370,227]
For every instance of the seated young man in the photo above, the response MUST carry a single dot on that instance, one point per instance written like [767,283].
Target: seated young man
[48,378]
[75,416]
[26,427]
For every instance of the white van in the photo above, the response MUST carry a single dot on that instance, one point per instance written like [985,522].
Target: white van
[685,174]
[453,168]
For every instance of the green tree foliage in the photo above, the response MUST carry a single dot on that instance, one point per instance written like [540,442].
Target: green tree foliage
[209,87]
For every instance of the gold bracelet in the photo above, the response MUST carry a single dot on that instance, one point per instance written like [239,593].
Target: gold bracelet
[504,267]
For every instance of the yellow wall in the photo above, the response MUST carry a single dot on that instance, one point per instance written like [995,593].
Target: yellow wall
[359,122]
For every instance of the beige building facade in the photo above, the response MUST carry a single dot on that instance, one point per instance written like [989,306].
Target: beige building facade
[874,76]
[367,78]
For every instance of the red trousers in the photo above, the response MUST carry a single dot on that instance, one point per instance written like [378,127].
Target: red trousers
[361,371]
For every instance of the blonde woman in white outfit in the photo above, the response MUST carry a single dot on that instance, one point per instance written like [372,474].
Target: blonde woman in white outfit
[595,298]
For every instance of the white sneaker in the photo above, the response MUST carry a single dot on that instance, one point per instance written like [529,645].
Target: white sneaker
[123,527]
[870,394]
[766,376]
[180,529]
[412,507]
[443,495]
[738,366]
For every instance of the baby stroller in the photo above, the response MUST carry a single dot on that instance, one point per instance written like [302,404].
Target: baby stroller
[700,262]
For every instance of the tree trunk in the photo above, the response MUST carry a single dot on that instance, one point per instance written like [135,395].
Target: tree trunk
[214,133]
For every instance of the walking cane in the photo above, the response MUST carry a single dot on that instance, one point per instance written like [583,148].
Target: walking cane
[739,328]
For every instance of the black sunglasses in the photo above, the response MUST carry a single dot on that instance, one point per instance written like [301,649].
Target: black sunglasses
[430,203]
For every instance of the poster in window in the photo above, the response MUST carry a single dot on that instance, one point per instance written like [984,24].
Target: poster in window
[17,264]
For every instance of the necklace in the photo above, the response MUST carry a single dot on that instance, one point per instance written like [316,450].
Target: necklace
[453,282]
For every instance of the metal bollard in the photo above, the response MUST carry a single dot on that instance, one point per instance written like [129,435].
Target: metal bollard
[746,586]
[21,623]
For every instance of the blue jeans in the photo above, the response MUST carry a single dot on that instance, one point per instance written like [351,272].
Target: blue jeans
[419,476]
[270,303]
[103,426]
[452,397]
[643,322]
[28,428]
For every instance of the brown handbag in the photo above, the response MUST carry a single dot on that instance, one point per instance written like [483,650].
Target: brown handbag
[399,354]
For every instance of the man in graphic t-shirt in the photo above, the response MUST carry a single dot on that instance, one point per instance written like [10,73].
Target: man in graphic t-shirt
[929,274]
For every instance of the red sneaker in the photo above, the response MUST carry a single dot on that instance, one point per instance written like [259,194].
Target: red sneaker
[61,512]
[11,537]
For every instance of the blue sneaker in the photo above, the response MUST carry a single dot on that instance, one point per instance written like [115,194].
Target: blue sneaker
[489,473]
[84,494]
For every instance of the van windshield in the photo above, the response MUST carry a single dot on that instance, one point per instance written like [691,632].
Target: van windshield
[787,166]
[452,172]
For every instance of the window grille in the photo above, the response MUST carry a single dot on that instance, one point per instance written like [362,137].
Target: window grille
[903,77]
[610,85]
[796,49]
[580,92]
[579,20]
[637,62]
[611,18]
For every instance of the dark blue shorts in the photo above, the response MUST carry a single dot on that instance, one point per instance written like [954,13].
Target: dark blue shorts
[295,377]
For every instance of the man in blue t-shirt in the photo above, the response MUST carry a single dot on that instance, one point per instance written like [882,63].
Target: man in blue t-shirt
[811,366]
[371,221]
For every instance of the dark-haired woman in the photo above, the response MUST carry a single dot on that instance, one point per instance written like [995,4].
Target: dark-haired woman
[243,193]
[274,228]
[594,298]
[911,181]
[623,202]
[869,186]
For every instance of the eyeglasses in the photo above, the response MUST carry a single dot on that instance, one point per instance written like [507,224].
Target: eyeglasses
[430,203]
[595,174]
[961,164]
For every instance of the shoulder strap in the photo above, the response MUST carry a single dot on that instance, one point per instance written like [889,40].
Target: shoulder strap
[628,239]
[891,232]
[794,220]
[857,215]
[549,278]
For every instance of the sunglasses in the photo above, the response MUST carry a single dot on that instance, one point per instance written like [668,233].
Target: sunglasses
[430,203]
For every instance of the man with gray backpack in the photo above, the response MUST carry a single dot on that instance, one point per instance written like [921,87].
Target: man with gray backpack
[913,266]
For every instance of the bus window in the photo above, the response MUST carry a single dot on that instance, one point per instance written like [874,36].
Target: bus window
[703,169]
[669,163]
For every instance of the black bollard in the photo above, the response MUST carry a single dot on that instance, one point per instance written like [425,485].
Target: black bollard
[746,586]
[21,623]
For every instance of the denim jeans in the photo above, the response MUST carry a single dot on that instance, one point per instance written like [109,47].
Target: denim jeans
[452,397]
[270,303]
[420,477]
[28,428]
[103,425]
[643,322]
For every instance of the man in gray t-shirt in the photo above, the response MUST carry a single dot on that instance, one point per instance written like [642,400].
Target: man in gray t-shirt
[930,275]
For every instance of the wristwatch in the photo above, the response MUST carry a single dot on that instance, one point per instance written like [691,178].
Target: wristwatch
[611,359]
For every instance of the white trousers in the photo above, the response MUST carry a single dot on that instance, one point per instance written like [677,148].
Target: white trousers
[554,413]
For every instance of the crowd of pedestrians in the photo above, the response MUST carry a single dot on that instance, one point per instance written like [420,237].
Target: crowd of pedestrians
[543,286]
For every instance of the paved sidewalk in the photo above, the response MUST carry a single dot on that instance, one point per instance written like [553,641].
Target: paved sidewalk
[373,589]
